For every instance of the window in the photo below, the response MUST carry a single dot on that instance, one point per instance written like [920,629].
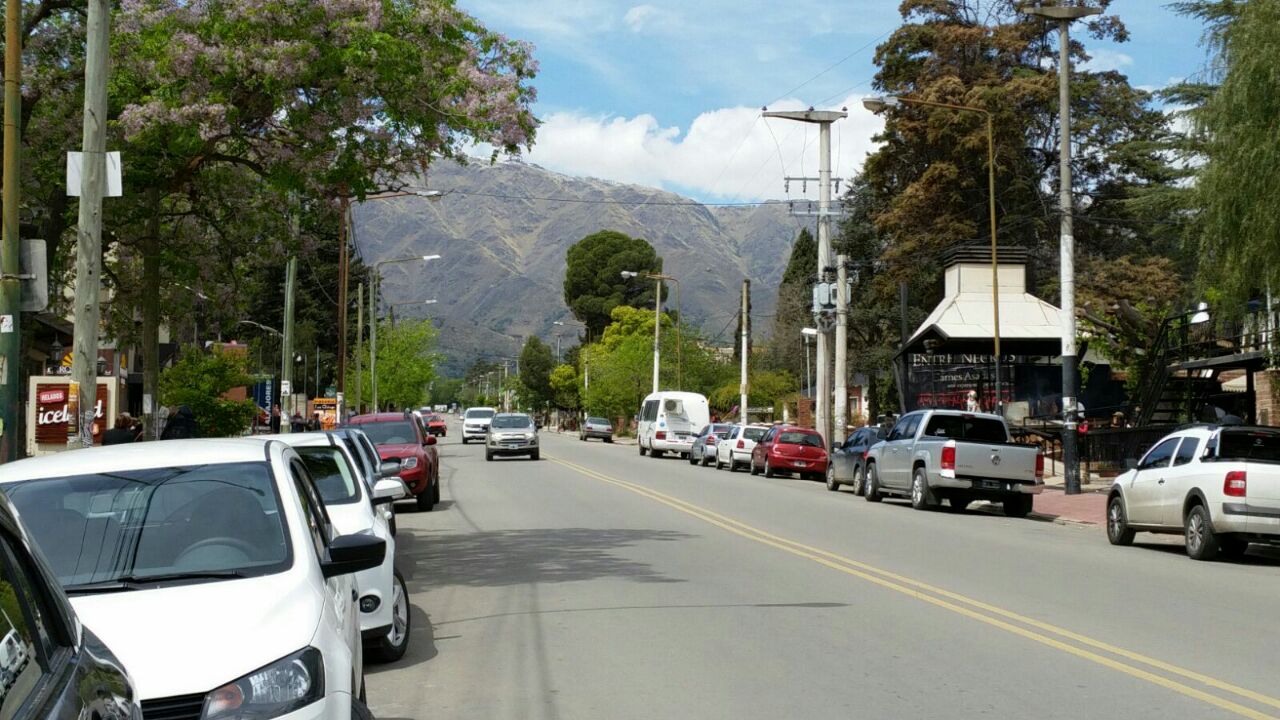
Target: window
[1186,451]
[310,508]
[913,424]
[27,642]
[853,439]
[899,429]
[650,410]
[753,434]
[475,414]
[796,437]
[335,480]
[1253,446]
[1159,455]
[960,427]
[512,422]
[396,432]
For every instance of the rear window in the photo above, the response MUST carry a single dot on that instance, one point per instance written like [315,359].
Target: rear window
[800,438]
[597,421]
[396,432]
[722,430]
[1251,446]
[961,427]
[754,434]
[480,414]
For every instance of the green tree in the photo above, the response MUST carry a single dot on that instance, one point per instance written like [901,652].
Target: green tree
[536,362]
[1239,228]
[593,282]
[406,364]
[566,387]
[765,388]
[201,380]
[795,304]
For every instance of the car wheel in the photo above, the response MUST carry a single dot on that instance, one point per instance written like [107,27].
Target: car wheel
[392,646]
[464,439]
[859,481]
[608,441]
[426,501]
[1118,530]
[1202,543]
[435,490]
[488,457]
[1017,506]
[832,485]
[655,454]
[705,460]
[719,465]
[921,496]
[754,471]
[692,459]
[873,484]
[360,711]
[768,470]
[535,455]
[642,450]
[958,503]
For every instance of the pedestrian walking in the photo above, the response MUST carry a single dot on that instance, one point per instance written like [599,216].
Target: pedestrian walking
[296,423]
[122,433]
[314,424]
[275,419]
[181,426]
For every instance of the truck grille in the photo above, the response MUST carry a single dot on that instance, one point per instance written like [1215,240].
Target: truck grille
[179,707]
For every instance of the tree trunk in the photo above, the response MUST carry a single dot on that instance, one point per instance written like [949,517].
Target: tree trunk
[151,318]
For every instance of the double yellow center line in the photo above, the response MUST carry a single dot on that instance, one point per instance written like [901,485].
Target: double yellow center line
[1073,643]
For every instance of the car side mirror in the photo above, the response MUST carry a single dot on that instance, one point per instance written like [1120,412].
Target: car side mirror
[389,490]
[389,469]
[431,440]
[350,554]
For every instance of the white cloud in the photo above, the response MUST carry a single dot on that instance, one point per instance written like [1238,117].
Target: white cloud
[1102,60]
[726,154]
[647,18]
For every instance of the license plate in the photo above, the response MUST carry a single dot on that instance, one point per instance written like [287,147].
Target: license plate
[800,463]
[992,485]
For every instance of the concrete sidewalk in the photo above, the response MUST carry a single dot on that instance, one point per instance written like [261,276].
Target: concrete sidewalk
[1087,508]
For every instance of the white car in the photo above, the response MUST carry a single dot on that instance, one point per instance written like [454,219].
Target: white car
[360,447]
[354,509]
[1217,486]
[212,570]
[735,450]
[475,423]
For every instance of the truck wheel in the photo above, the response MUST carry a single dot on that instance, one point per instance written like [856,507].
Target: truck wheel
[1118,530]
[921,496]
[1017,506]
[1202,542]
[873,484]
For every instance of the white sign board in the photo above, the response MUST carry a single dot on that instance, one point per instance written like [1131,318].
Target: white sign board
[285,388]
[75,172]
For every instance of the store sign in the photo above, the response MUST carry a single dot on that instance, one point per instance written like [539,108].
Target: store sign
[53,414]
[920,359]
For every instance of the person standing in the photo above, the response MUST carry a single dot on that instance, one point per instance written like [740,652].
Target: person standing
[122,433]
[181,426]
[275,419]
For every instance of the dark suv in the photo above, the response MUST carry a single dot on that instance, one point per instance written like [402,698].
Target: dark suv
[51,666]
[400,437]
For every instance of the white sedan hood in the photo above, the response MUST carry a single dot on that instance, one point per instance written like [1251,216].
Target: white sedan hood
[195,638]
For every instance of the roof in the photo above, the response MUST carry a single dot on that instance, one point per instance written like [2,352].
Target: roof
[138,456]
[377,418]
[968,316]
[307,439]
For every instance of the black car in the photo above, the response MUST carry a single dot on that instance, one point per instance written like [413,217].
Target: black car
[846,466]
[53,667]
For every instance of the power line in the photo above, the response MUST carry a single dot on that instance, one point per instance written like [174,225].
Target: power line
[835,64]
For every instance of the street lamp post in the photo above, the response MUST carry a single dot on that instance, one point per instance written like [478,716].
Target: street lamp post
[374,281]
[657,323]
[1065,15]
[880,104]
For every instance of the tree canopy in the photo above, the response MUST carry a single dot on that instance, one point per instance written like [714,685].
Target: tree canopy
[593,282]
[536,363]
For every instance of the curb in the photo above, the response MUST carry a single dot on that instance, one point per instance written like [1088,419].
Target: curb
[992,509]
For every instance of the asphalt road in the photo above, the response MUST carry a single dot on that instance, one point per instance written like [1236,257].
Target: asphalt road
[596,583]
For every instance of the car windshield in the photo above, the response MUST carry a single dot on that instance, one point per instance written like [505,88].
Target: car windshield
[597,421]
[333,476]
[163,522]
[508,422]
[480,414]
[396,432]
[754,433]
[966,427]
[1251,446]
[799,438]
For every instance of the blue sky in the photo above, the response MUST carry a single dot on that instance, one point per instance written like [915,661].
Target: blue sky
[668,93]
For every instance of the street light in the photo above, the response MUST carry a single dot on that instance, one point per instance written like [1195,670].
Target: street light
[1065,15]
[880,104]
[806,334]
[374,281]
[657,322]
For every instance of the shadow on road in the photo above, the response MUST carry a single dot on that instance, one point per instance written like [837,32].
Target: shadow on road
[518,557]
[1260,555]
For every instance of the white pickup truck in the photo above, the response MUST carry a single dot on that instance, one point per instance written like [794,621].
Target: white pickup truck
[934,455]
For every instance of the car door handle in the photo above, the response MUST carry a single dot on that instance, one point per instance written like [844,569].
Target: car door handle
[1160,481]
[354,595]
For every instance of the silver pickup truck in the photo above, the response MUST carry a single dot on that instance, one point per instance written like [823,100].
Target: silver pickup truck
[934,455]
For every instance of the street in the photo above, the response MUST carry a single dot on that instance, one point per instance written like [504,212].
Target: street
[597,583]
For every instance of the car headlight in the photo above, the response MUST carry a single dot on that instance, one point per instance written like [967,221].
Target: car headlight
[277,689]
[409,463]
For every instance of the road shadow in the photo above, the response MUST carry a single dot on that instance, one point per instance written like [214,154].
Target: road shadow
[519,557]
[422,644]
[1259,555]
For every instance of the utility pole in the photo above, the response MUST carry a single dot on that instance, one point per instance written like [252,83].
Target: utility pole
[10,265]
[657,328]
[359,389]
[823,119]
[93,185]
[286,344]
[842,350]
[373,334]
[746,335]
[1064,15]
[344,226]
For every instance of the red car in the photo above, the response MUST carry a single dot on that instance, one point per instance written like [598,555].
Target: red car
[399,436]
[437,426]
[790,449]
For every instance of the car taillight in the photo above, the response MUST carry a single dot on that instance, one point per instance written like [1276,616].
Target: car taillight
[1040,466]
[660,435]
[1236,484]
[742,445]
[949,458]
[711,439]
[866,453]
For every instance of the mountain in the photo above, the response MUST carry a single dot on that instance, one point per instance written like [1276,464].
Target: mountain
[503,230]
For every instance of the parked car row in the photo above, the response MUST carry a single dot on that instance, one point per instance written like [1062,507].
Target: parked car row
[1217,486]
[224,578]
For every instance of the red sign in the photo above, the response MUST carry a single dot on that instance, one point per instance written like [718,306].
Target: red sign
[50,397]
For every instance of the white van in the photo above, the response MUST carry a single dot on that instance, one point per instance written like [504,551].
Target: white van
[669,421]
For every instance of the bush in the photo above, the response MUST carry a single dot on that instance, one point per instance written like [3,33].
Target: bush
[200,380]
